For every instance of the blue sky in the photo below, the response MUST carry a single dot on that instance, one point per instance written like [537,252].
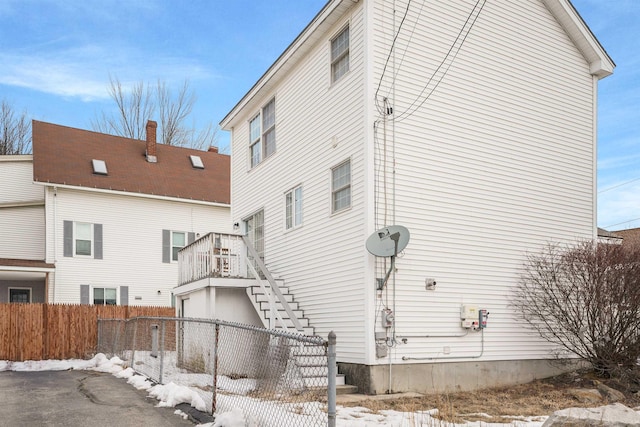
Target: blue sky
[56,57]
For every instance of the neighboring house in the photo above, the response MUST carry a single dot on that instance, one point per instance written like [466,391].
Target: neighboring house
[470,123]
[605,236]
[630,236]
[99,219]
[24,274]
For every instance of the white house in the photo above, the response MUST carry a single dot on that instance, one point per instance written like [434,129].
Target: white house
[472,124]
[23,271]
[98,219]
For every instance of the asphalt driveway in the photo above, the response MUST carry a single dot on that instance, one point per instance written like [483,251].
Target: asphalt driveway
[78,398]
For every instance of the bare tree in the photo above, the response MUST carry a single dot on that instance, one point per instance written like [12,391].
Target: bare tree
[141,102]
[15,131]
[585,299]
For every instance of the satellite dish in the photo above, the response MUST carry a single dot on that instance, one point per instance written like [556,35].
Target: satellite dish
[388,241]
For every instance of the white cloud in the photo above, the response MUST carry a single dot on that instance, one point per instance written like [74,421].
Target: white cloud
[83,72]
[619,208]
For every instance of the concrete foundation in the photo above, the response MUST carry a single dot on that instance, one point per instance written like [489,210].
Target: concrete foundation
[449,377]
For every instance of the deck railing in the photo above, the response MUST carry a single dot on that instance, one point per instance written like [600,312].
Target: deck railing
[212,255]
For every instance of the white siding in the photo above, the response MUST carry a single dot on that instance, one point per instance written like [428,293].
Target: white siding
[22,225]
[321,261]
[132,243]
[22,232]
[498,161]
[16,179]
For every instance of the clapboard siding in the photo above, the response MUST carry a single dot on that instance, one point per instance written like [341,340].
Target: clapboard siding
[22,232]
[497,162]
[16,178]
[22,226]
[326,279]
[132,243]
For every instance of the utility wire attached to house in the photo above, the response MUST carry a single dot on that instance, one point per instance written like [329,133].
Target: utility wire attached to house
[448,60]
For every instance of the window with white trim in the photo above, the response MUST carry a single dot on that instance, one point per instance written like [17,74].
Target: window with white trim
[83,241]
[340,55]
[178,241]
[262,133]
[341,186]
[104,296]
[293,209]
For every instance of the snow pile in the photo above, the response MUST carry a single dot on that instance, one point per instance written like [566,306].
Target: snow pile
[235,418]
[172,394]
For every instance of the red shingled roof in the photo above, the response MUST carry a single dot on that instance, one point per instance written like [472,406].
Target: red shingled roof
[62,155]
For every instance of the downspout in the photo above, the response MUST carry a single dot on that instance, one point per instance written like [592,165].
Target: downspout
[594,190]
[55,243]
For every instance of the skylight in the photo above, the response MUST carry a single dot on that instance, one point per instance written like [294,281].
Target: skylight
[196,162]
[99,167]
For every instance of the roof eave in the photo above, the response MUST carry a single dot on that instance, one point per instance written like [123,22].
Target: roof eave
[600,63]
[294,51]
[133,194]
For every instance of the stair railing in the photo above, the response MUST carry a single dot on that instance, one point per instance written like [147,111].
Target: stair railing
[274,287]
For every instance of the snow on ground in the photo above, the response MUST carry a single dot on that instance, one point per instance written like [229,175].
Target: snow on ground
[172,394]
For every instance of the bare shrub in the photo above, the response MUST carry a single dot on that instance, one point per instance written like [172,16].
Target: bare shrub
[585,299]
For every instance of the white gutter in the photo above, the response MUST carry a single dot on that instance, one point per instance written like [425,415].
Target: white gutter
[25,204]
[16,158]
[27,269]
[600,64]
[132,194]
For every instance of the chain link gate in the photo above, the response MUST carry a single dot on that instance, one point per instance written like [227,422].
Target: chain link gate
[276,378]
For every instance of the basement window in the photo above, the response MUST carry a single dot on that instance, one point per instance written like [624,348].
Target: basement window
[99,167]
[196,162]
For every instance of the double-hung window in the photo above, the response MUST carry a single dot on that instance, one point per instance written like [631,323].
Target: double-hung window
[178,241]
[82,239]
[341,186]
[293,202]
[173,241]
[104,296]
[340,55]
[262,133]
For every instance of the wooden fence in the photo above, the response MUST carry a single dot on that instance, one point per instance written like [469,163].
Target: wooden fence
[59,331]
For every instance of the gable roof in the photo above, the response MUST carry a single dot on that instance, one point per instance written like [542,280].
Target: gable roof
[63,156]
[600,64]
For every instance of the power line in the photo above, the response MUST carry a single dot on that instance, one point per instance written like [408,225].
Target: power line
[623,222]
[393,44]
[619,185]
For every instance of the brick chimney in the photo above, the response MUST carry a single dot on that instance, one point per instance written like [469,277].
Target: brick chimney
[213,149]
[151,142]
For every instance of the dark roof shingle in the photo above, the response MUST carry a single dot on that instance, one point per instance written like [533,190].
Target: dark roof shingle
[63,155]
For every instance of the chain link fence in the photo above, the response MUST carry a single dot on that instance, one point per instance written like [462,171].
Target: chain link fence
[276,378]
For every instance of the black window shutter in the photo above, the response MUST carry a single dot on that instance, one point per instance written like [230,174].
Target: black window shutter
[97,241]
[166,246]
[68,238]
[190,238]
